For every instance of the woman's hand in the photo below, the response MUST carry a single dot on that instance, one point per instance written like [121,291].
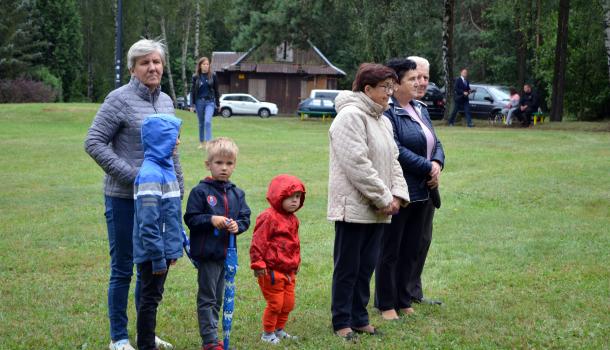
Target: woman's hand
[434,174]
[436,169]
[392,208]
[433,182]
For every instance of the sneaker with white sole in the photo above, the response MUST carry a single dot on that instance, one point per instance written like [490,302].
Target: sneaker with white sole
[270,338]
[122,344]
[281,334]
[162,344]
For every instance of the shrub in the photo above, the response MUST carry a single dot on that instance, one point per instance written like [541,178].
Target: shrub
[24,90]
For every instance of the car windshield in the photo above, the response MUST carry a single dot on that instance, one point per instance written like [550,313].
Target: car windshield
[502,93]
[326,95]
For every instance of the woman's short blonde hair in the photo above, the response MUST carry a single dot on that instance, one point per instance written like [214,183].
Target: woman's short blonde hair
[221,147]
[144,47]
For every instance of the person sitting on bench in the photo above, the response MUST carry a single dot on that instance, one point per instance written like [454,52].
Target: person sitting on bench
[528,105]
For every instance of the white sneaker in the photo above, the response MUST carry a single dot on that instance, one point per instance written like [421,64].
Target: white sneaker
[122,344]
[281,334]
[162,344]
[270,338]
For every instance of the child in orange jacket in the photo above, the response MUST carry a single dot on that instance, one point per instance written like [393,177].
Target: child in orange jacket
[275,253]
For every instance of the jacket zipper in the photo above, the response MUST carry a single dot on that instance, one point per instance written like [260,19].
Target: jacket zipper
[226,203]
[152,100]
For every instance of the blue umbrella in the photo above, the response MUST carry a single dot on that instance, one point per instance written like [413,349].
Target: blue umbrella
[229,299]
[186,244]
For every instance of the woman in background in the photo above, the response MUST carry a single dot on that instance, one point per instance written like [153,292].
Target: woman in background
[205,98]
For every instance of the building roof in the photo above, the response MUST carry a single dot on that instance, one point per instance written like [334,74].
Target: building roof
[234,61]
[223,59]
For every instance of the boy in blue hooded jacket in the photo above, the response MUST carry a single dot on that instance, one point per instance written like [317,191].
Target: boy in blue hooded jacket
[157,232]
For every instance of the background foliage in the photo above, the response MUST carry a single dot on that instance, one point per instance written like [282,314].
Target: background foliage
[504,42]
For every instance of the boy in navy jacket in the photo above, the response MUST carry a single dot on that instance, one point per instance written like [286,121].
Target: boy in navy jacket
[215,209]
[157,232]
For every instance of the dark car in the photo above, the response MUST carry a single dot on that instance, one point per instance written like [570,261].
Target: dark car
[181,104]
[487,101]
[435,101]
[317,107]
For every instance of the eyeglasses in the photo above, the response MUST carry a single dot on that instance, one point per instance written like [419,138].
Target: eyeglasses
[388,88]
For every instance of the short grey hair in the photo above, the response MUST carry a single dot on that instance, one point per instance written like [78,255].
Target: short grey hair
[420,61]
[145,47]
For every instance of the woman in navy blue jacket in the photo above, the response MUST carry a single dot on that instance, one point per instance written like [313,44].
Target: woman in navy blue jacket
[421,157]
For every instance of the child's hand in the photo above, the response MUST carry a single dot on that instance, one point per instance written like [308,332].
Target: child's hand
[232,226]
[220,222]
[260,272]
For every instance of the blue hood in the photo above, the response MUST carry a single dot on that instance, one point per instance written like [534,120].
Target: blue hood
[159,135]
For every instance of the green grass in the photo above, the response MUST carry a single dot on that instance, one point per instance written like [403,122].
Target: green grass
[520,252]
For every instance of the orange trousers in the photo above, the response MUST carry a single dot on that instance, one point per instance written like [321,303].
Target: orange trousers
[278,290]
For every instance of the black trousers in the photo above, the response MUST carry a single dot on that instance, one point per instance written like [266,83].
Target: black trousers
[525,117]
[402,256]
[355,255]
[151,293]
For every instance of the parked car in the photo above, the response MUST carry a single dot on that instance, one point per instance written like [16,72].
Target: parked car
[181,103]
[246,104]
[324,94]
[317,107]
[435,101]
[487,101]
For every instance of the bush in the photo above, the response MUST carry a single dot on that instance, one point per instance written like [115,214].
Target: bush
[23,90]
[44,75]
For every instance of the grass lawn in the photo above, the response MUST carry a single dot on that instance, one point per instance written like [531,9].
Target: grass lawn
[520,254]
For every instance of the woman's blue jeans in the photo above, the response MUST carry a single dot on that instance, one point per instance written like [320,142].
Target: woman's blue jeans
[119,219]
[205,112]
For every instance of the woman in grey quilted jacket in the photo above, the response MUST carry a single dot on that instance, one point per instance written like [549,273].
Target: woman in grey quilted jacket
[114,142]
[366,186]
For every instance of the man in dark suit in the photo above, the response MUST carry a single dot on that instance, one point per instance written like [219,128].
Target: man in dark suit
[461,90]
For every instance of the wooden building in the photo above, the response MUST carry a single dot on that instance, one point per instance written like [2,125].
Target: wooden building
[282,75]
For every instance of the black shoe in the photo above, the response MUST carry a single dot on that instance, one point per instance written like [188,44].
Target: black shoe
[349,337]
[375,332]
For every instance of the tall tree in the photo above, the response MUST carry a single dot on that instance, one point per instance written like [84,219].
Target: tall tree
[448,23]
[197,26]
[168,66]
[185,44]
[61,27]
[606,6]
[21,44]
[561,53]
[521,22]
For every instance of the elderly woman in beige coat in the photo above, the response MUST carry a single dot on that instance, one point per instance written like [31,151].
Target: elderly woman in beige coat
[366,186]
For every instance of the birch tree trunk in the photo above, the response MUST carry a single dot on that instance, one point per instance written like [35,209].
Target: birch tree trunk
[172,90]
[197,24]
[185,45]
[606,5]
[448,20]
[521,25]
[561,50]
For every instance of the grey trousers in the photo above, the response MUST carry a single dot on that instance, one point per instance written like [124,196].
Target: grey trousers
[211,280]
